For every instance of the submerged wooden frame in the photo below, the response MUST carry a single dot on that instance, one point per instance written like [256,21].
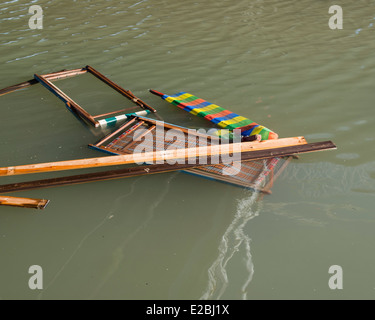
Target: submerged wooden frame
[95,120]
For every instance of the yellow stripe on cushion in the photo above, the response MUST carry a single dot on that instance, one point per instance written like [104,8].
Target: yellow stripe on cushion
[231,121]
[195,111]
[257,130]
[181,97]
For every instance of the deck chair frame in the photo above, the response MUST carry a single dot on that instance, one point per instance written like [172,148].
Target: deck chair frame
[110,118]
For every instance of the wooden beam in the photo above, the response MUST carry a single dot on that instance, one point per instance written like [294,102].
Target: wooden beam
[153,157]
[18,86]
[160,168]
[50,76]
[126,110]
[23,202]
[64,74]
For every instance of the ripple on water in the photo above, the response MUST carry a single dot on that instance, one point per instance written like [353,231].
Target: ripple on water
[348,156]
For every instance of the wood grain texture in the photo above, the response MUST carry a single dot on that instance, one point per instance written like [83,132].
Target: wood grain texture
[23,202]
[159,168]
[152,157]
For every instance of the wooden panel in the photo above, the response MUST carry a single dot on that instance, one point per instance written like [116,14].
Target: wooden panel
[19,86]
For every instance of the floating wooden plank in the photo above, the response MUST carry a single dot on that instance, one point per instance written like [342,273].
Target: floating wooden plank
[161,168]
[153,157]
[23,202]
[18,86]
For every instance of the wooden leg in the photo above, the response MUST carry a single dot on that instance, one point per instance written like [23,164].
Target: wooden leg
[23,202]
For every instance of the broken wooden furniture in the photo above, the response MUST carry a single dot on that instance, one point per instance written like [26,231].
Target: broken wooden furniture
[259,160]
[105,119]
[125,141]
[258,165]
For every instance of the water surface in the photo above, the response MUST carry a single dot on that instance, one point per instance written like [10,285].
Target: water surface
[176,236]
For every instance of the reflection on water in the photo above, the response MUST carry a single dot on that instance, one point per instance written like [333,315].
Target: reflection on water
[234,241]
[118,253]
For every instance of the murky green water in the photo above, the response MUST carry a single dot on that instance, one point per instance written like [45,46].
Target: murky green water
[176,236]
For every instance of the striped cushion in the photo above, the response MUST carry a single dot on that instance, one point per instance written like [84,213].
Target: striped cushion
[218,115]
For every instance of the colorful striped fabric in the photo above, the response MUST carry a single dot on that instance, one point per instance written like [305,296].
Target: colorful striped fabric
[113,120]
[218,115]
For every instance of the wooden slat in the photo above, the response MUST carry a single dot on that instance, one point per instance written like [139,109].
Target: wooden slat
[116,132]
[31,82]
[18,86]
[153,157]
[23,202]
[99,176]
[126,110]
[64,74]
[138,138]
[118,140]
[104,149]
